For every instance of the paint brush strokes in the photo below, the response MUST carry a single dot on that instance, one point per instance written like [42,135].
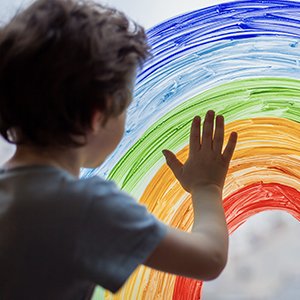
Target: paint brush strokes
[203,49]
[273,163]
[242,60]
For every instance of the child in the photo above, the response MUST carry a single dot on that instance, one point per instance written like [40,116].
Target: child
[66,74]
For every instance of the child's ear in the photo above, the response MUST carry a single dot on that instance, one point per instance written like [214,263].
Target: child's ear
[97,120]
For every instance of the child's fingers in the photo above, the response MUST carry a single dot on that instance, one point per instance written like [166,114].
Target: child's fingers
[174,164]
[219,135]
[195,135]
[228,152]
[208,128]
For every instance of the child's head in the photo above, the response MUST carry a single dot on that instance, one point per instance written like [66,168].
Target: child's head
[60,61]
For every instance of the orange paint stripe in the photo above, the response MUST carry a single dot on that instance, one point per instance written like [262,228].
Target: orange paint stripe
[268,150]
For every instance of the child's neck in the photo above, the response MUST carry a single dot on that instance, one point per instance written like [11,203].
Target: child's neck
[69,160]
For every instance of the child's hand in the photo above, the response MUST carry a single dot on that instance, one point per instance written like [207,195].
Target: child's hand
[206,164]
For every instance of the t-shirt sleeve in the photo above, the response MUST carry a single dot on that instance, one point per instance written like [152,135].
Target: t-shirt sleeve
[117,235]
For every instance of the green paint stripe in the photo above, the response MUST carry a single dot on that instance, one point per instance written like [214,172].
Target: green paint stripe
[259,97]
[99,293]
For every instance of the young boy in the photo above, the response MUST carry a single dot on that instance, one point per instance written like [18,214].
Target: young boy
[66,74]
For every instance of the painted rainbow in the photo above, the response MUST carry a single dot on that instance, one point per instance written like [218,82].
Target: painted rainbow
[242,60]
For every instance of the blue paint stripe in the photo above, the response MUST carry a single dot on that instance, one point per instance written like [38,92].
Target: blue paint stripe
[208,47]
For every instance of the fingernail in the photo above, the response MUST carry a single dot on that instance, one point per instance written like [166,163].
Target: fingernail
[165,155]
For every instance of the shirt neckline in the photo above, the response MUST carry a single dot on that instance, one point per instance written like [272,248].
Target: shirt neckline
[33,167]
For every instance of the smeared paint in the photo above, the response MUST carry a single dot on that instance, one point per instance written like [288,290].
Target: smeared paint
[206,48]
[250,200]
[265,158]
[242,60]
[237,100]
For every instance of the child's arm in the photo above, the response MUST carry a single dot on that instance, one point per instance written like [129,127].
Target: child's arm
[201,254]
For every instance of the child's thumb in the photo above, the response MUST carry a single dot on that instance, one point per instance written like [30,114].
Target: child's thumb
[174,164]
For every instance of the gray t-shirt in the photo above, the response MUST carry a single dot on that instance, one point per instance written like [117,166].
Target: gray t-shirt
[60,235]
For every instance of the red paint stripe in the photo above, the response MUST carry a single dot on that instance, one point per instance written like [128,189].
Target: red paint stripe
[241,205]
[186,288]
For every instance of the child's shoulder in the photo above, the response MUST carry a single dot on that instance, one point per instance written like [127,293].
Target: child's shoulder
[46,182]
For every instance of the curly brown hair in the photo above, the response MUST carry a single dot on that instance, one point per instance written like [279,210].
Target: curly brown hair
[59,61]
